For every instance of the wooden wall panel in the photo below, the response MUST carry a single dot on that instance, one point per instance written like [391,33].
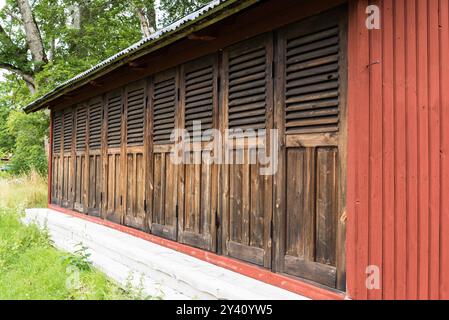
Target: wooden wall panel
[135,155]
[80,165]
[67,159]
[163,219]
[197,190]
[247,104]
[56,182]
[94,161]
[114,109]
[310,101]
[397,150]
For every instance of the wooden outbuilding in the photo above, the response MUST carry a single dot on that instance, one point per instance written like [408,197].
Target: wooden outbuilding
[353,97]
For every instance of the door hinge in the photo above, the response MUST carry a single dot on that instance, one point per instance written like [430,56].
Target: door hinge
[177,211]
[101,197]
[145,205]
[121,200]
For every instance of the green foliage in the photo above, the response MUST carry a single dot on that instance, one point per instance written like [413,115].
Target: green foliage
[29,132]
[79,259]
[176,9]
[7,140]
[31,268]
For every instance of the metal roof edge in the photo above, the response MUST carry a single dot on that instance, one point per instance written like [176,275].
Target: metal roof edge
[163,37]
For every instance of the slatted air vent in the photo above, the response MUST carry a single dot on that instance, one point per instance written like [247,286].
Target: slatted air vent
[164,110]
[199,90]
[312,82]
[135,117]
[247,89]
[95,122]
[57,131]
[68,130]
[81,122]
[114,121]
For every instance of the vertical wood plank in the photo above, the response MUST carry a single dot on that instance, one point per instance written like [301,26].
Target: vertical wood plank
[423,146]
[246,198]
[358,150]
[257,206]
[444,99]
[295,183]
[412,149]
[434,149]
[388,153]
[400,149]
[326,206]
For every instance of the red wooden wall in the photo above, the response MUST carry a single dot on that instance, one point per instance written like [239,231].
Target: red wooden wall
[398,168]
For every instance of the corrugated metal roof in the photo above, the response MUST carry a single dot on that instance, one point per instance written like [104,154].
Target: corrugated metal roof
[160,34]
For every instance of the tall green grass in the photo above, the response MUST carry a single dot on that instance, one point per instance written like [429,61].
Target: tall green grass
[30,267]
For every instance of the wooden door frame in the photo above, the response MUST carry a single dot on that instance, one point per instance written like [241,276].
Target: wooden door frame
[154,228]
[267,236]
[94,152]
[134,150]
[185,236]
[83,153]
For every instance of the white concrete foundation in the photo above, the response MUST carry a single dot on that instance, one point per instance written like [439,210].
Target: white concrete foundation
[162,271]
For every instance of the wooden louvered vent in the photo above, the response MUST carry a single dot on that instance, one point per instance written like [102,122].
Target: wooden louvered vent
[114,121]
[95,122]
[247,74]
[135,116]
[199,91]
[57,127]
[68,129]
[81,122]
[165,96]
[312,82]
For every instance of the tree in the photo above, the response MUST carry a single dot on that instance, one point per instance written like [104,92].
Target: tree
[176,9]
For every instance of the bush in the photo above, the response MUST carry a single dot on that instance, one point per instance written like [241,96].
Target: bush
[30,132]
[30,267]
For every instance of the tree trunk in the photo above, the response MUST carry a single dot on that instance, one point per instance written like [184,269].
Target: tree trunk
[145,26]
[33,35]
[28,78]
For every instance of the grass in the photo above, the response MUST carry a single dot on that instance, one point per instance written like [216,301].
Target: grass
[31,268]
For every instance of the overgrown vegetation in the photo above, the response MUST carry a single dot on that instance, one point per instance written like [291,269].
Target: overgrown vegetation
[59,39]
[30,267]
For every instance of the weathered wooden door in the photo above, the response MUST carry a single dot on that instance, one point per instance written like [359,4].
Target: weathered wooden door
[198,189]
[67,159]
[135,155]
[94,166]
[57,118]
[247,194]
[113,158]
[310,103]
[163,178]
[80,158]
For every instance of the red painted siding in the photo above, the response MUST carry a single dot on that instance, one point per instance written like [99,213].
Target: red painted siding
[397,150]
